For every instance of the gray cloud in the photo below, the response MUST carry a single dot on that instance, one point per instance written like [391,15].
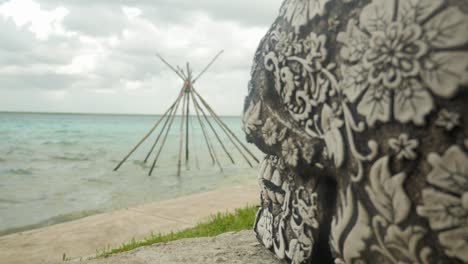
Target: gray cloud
[19,47]
[105,52]
[249,12]
[46,81]
[96,20]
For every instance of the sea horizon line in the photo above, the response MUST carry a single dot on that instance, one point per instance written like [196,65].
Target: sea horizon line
[85,113]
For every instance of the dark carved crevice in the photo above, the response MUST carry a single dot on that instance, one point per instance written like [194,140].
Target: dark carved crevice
[327,191]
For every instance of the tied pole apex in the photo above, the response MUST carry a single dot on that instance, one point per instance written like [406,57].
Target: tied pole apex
[187,97]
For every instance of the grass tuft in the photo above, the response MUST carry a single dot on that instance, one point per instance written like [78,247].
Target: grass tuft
[240,219]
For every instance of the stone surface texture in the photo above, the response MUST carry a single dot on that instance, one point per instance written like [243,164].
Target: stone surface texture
[229,248]
[361,107]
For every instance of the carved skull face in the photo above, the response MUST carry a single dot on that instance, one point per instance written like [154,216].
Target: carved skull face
[361,109]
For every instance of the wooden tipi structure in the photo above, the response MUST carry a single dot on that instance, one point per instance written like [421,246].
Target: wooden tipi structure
[203,111]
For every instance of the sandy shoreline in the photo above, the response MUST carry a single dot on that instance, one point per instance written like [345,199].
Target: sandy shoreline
[83,237]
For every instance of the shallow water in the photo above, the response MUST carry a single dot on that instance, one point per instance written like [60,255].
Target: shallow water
[59,167]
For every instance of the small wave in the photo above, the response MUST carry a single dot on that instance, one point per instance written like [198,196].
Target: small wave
[99,181]
[9,201]
[17,151]
[2,160]
[20,171]
[66,131]
[142,164]
[71,158]
[138,162]
[61,142]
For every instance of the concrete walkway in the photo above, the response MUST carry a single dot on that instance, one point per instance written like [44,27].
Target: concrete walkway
[228,248]
[83,237]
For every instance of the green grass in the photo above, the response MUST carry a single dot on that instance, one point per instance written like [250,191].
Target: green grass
[240,219]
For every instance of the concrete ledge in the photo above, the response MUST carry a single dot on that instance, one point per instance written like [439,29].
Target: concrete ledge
[84,236]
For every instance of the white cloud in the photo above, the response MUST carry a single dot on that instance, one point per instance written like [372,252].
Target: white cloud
[131,12]
[41,22]
[83,63]
[132,85]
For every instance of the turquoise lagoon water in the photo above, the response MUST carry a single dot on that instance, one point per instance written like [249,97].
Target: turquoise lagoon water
[59,167]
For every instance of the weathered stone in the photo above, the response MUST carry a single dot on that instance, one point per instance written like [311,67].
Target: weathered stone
[361,108]
[229,248]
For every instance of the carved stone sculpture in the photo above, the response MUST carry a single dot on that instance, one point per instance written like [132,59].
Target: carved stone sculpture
[361,107]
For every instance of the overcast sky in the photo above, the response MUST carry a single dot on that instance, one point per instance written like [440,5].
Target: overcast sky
[98,56]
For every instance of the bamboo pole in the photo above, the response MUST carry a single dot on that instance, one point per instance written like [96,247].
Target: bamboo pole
[181,140]
[212,128]
[168,117]
[188,87]
[145,137]
[170,66]
[225,126]
[205,134]
[197,162]
[187,130]
[182,72]
[165,136]
[232,141]
[211,149]
[207,66]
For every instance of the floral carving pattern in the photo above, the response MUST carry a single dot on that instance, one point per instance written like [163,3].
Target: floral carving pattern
[308,153]
[264,226]
[305,81]
[386,192]
[447,120]
[331,125]
[446,206]
[393,55]
[404,147]
[359,95]
[395,243]
[298,212]
[355,240]
[251,118]
[302,79]
[271,181]
[270,132]
[290,152]
[303,220]
[300,12]
[389,198]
